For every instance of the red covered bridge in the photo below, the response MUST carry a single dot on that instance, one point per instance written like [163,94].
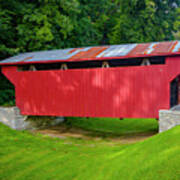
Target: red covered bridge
[132,80]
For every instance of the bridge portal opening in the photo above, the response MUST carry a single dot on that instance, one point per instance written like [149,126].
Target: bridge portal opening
[175,92]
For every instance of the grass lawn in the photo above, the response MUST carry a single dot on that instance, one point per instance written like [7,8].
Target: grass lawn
[114,127]
[24,155]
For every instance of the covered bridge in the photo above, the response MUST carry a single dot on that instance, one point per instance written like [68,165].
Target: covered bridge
[131,80]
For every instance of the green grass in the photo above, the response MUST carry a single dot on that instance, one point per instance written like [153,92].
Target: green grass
[27,156]
[114,127]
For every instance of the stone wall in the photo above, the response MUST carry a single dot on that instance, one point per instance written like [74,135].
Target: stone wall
[168,119]
[11,117]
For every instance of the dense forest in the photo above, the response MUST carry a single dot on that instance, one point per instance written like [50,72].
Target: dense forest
[31,25]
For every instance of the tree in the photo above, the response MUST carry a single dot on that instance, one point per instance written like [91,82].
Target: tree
[55,24]
[177,24]
[36,25]
[144,21]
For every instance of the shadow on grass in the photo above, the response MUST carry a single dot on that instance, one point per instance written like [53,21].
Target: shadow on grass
[104,128]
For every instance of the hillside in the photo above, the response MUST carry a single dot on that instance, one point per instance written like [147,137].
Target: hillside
[24,155]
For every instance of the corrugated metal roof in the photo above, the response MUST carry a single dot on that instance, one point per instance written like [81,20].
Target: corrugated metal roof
[97,53]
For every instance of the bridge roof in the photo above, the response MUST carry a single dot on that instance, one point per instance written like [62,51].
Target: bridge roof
[123,51]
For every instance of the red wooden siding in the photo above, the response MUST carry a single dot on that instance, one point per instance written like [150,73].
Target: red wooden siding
[137,91]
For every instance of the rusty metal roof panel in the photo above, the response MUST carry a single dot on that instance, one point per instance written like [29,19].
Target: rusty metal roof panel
[97,53]
[117,50]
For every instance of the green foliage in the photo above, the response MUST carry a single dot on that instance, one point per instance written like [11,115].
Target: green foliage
[39,25]
[177,24]
[29,156]
[7,93]
[53,24]
[7,97]
[144,21]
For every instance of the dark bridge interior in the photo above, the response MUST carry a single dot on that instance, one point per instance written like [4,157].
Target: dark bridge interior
[175,92]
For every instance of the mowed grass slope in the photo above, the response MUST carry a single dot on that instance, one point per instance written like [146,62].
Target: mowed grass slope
[27,156]
[115,126]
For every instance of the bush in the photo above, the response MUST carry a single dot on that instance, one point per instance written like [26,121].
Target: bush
[7,92]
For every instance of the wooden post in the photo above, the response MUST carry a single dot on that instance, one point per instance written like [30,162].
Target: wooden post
[32,68]
[105,64]
[64,66]
[145,62]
